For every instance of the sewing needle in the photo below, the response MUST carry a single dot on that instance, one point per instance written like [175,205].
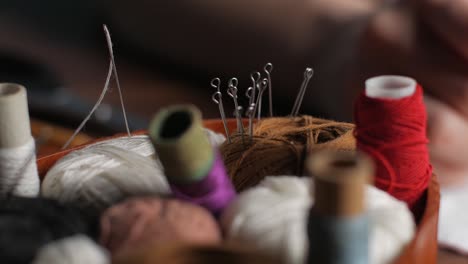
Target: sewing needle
[268,69]
[232,91]
[308,73]
[261,88]
[217,97]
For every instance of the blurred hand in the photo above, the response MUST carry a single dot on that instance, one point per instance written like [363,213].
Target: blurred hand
[429,41]
[449,19]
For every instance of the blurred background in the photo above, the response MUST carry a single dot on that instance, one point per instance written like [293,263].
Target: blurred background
[167,52]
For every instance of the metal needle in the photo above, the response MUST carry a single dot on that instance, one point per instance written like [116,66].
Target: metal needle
[217,98]
[308,73]
[268,69]
[232,91]
[261,88]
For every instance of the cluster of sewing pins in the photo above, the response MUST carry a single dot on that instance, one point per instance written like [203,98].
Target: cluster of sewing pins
[254,94]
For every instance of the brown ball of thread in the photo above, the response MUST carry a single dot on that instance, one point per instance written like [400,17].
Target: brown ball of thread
[193,254]
[279,146]
[138,221]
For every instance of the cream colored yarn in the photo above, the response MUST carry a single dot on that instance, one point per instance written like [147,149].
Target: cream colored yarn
[271,218]
[107,172]
[77,249]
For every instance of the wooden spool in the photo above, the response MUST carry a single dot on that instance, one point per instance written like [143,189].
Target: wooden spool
[422,249]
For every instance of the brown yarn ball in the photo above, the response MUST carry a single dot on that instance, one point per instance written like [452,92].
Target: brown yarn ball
[190,254]
[279,146]
[139,221]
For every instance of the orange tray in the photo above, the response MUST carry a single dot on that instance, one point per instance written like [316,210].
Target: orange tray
[422,249]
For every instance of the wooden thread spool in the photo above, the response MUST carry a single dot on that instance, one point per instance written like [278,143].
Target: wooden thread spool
[338,225]
[15,128]
[193,168]
[18,170]
[181,143]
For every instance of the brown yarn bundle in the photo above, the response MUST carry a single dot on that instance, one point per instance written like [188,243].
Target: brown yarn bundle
[139,221]
[279,146]
[192,254]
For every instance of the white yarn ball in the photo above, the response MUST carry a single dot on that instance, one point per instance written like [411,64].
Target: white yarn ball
[105,173]
[272,218]
[77,249]
[102,174]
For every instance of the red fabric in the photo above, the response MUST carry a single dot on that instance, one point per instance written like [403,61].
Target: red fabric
[393,132]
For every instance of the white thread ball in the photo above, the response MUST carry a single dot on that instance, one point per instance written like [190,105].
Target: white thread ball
[77,249]
[272,218]
[107,172]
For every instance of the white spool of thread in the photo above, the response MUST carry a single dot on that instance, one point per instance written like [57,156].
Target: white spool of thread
[272,218]
[18,169]
[105,173]
[77,249]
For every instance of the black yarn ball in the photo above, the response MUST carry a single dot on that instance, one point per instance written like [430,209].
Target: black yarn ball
[27,224]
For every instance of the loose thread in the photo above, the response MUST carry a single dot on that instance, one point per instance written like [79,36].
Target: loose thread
[95,107]
[111,54]
[112,69]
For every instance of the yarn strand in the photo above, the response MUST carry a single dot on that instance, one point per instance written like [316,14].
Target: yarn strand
[112,69]
[95,107]
[111,54]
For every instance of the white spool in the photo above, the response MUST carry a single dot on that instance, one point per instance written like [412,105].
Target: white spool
[390,87]
[102,174]
[77,249]
[18,169]
[272,217]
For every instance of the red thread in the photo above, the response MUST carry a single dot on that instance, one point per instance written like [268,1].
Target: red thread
[393,132]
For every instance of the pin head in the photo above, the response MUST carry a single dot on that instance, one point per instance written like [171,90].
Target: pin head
[216,83]
[268,68]
[249,92]
[216,97]
[251,109]
[262,85]
[233,82]
[232,90]
[255,76]
[238,111]
[308,73]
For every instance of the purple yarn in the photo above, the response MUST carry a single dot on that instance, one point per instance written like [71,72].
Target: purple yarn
[214,192]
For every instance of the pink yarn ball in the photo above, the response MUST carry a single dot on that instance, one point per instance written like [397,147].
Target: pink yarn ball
[139,221]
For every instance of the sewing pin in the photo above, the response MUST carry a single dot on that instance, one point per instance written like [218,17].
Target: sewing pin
[261,88]
[255,78]
[238,112]
[240,126]
[217,97]
[268,69]
[250,113]
[232,91]
[308,73]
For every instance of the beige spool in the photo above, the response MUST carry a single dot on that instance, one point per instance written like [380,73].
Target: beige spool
[340,180]
[15,128]
[18,169]
[181,143]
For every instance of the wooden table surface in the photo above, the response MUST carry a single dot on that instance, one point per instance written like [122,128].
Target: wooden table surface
[84,71]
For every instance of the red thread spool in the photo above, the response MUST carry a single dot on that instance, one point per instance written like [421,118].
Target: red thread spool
[390,121]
